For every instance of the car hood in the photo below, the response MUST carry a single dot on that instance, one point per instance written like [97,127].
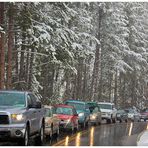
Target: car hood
[12,109]
[64,117]
[80,111]
[106,110]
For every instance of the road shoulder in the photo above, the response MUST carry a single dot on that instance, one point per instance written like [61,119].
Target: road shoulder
[143,139]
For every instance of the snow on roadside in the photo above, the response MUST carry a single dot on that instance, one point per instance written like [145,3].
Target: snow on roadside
[143,139]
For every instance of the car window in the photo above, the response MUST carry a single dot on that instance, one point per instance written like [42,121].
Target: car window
[12,99]
[95,110]
[105,106]
[64,110]
[33,99]
[78,106]
[29,101]
[74,111]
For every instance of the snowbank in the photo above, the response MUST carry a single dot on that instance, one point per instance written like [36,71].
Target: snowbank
[143,139]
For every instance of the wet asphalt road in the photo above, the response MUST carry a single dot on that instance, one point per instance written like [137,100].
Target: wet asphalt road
[118,134]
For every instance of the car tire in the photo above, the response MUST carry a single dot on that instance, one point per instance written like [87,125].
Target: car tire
[108,121]
[39,140]
[126,120]
[26,140]
[114,120]
[144,120]
[120,120]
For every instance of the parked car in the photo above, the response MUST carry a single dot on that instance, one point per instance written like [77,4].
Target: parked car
[82,111]
[122,115]
[21,116]
[133,114]
[144,114]
[68,116]
[95,113]
[108,111]
[52,121]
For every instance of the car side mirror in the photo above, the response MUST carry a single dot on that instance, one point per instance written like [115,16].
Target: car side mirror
[38,104]
[30,106]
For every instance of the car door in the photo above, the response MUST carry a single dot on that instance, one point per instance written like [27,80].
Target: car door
[31,114]
[55,119]
[36,113]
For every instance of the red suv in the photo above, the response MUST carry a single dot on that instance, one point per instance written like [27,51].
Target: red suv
[68,116]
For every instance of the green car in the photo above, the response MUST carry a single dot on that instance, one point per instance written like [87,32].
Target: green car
[82,110]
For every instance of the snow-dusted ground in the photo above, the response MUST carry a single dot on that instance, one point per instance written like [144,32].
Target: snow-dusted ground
[143,139]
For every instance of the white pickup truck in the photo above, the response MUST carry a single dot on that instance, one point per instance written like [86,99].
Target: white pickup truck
[108,111]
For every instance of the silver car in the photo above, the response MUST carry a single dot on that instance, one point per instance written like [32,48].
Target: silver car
[133,115]
[95,116]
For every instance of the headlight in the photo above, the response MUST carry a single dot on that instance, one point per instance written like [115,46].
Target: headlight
[93,117]
[17,117]
[81,114]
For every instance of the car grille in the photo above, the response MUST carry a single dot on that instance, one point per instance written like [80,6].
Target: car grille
[4,134]
[4,119]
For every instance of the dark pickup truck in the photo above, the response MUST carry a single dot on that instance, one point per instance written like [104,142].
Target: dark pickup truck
[21,117]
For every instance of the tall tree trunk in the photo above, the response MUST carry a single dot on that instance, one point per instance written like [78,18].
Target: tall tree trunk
[31,68]
[115,88]
[95,75]
[10,47]
[2,51]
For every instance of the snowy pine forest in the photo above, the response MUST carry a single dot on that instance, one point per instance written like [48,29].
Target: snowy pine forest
[85,50]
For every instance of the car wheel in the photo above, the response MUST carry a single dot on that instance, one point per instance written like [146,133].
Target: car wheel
[114,120]
[108,121]
[120,120]
[126,120]
[26,140]
[40,139]
[144,120]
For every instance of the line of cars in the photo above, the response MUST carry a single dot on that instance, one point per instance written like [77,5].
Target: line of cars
[22,116]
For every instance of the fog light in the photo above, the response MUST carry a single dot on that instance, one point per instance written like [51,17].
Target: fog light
[18,133]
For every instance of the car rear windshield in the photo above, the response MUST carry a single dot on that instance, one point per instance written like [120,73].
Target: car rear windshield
[105,106]
[64,110]
[12,99]
[78,106]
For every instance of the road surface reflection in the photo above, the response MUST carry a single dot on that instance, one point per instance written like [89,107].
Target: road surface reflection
[92,136]
[78,139]
[130,129]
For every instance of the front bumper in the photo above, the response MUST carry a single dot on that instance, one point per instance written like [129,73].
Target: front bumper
[12,131]
[144,117]
[66,125]
[106,116]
